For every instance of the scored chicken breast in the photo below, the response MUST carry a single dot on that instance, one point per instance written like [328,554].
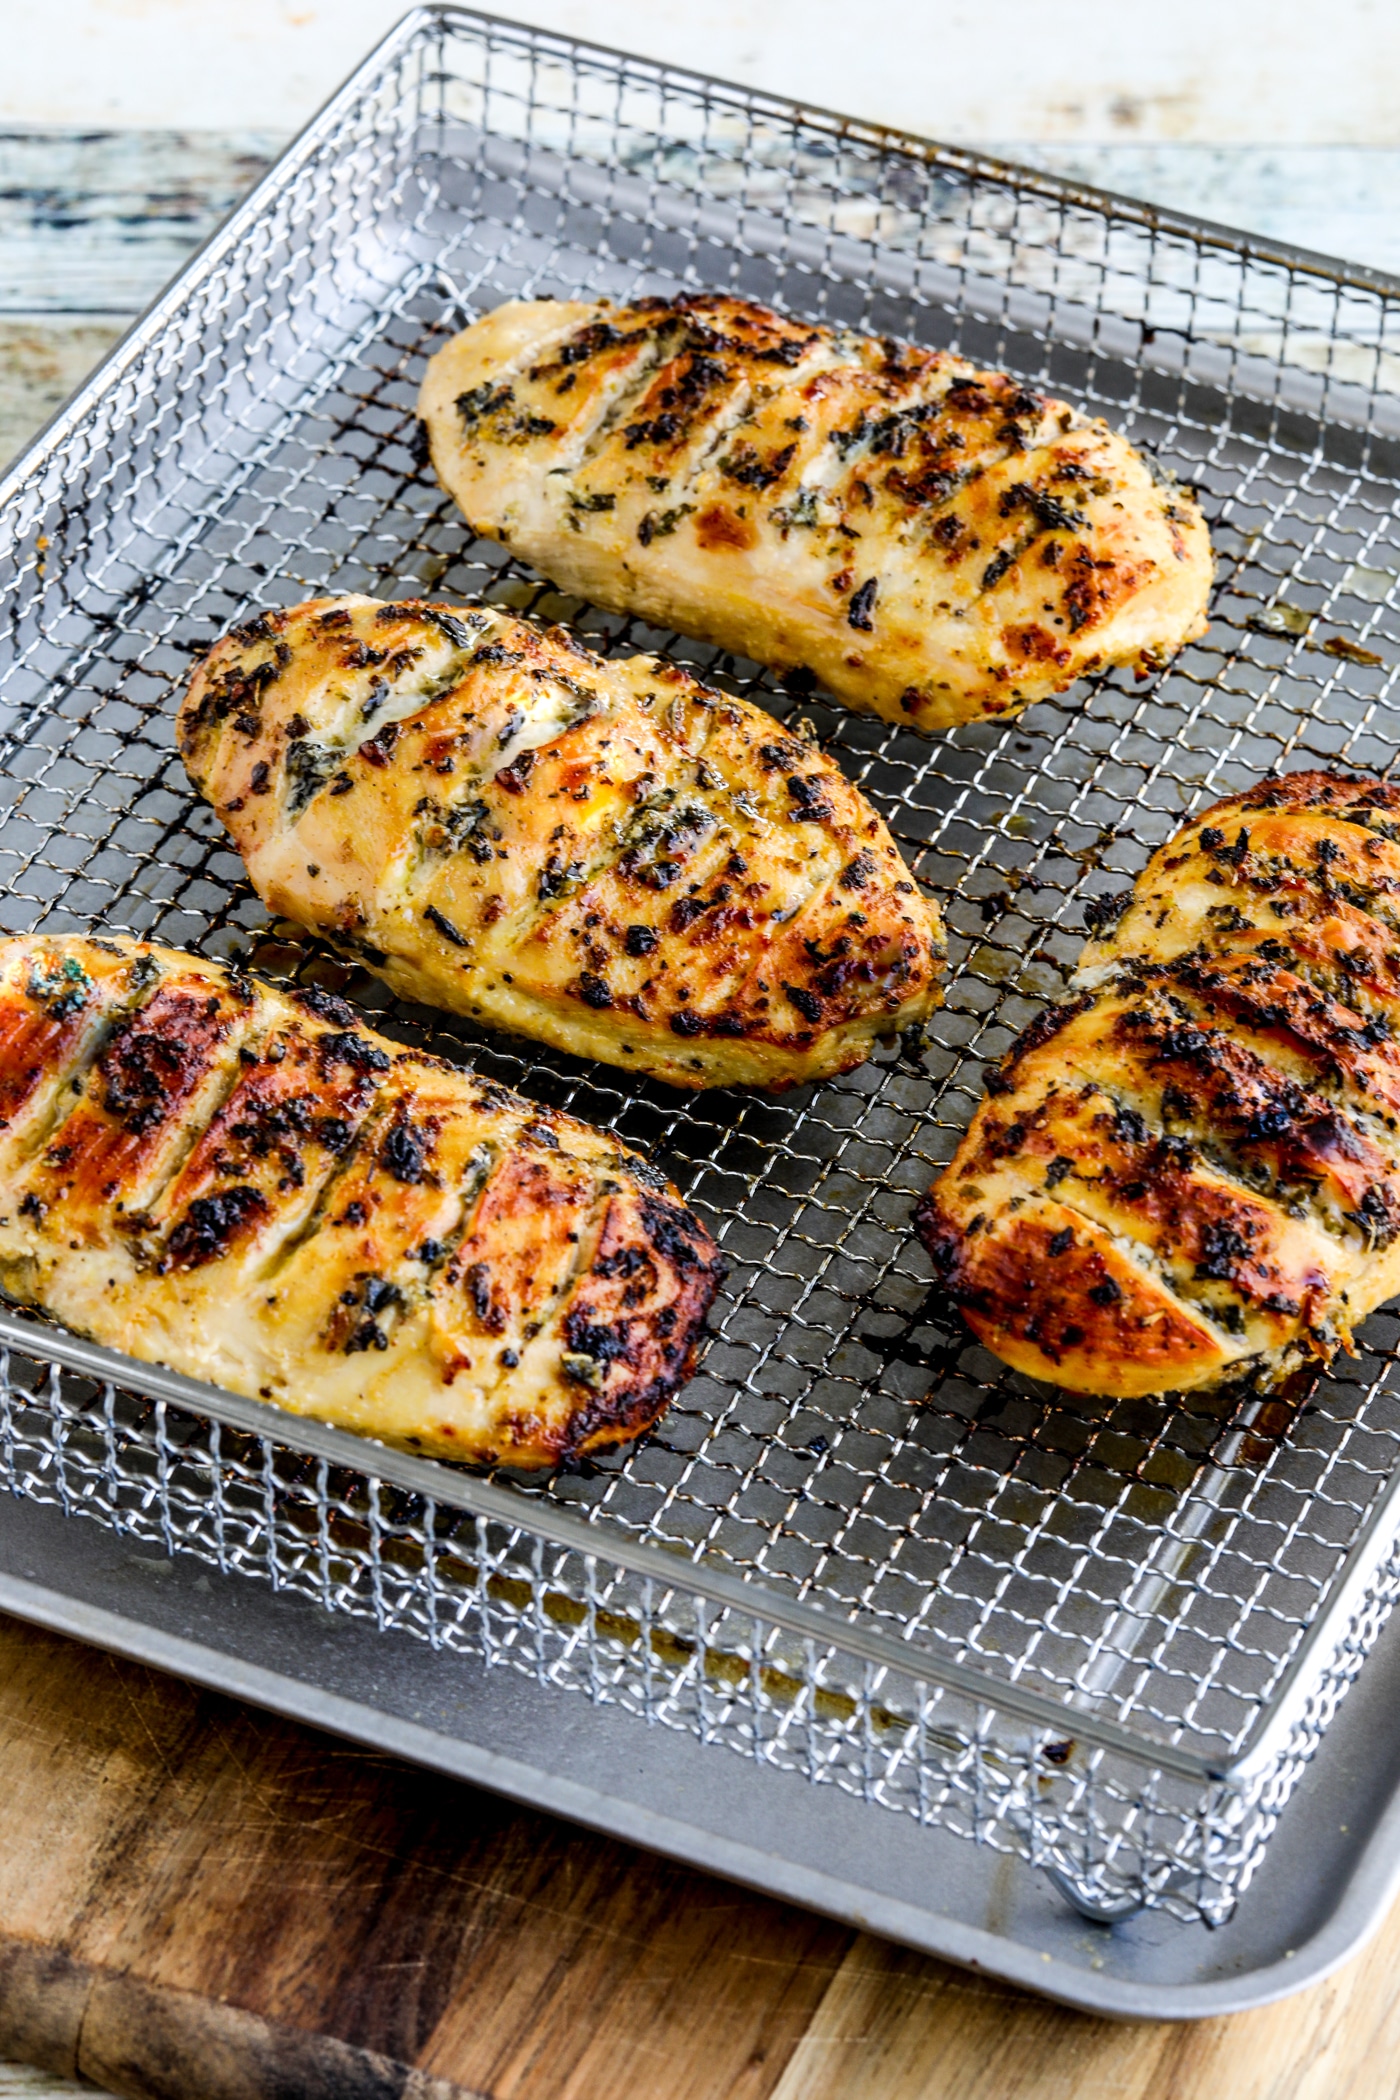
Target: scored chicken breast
[935,542]
[1190,1171]
[251,1187]
[608,856]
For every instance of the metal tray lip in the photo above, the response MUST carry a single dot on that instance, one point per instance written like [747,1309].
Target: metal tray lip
[1357,1916]
[340,1447]
[970,160]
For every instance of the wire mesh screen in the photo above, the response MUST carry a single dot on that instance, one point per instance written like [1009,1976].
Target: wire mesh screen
[1159,1566]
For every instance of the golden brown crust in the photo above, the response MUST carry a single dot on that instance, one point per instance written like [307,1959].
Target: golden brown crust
[934,541]
[608,856]
[251,1187]
[1217,1106]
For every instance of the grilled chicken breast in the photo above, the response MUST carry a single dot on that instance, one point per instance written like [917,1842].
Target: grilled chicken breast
[1190,1171]
[608,856]
[935,542]
[249,1186]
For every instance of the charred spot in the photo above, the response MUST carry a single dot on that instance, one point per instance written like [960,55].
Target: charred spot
[1057,1170]
[746,466]
[685,911]
[556,875]
[514,778]
[404,1153]
[1223,1248]
[807,1003]
[1102,912]
[598,335]
[640,940]
[477,1281]
[334,1133]
[1129,1127]
[625,1262]
[211,1225]
[686,1023]
[809,799]
[445,926]
[860,613]
[656,430]
[538,1133]
[673,1233]
[449,625]
[376,750]
[858,872]
[355,1050]
[1042,1030]
[594,991]
[146,1073]
[325,1005]
[588,1338]
[1047,509]
[774,756]
[996,568]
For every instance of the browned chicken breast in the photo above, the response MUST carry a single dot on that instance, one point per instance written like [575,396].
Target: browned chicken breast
[1190,1171]
[935,542]
[607,856]
[249,1186]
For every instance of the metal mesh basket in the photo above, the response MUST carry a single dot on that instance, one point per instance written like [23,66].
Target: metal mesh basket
[1105,1636]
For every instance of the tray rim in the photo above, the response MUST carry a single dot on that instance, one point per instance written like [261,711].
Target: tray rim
[1264,1740]
[1365,1897]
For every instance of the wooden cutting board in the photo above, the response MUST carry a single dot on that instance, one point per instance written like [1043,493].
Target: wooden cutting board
[199,1902]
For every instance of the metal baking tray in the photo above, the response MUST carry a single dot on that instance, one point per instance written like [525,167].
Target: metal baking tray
[870,1620]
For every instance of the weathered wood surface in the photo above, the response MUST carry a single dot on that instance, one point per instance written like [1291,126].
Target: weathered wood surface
[199,1900]
[96,223]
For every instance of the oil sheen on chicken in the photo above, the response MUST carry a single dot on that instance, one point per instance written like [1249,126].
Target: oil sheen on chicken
[934,541]
[607,856]
[1189,1172]
[252,1188]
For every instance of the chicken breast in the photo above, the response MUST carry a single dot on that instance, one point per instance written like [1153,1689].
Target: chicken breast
[935,542]
[607,856]
[1190,1171]
[251,1187]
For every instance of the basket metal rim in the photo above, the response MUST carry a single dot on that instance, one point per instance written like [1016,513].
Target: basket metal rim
[969,160]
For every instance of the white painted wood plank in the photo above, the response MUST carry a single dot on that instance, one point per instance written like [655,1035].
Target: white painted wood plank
[1247,71]
[98,223]
[95,224]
